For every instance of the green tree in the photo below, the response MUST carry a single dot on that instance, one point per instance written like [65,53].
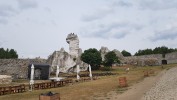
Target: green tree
[110,58]
[13,53]
[158,50]
[126,53]
[8,54]
[2,53]
[93,57]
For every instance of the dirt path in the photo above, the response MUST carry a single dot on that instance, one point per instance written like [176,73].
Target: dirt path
[134,92]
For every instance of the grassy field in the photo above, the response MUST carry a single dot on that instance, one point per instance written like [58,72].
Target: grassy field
[89,89]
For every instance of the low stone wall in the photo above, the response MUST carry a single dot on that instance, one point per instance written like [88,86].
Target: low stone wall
[171,58]
[154,59]
[5,79]
[17,68]
[145,60]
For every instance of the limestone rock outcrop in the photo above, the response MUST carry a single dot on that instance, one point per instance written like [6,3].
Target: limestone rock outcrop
[105,50]
[68,61]
[119,54]
[73,41]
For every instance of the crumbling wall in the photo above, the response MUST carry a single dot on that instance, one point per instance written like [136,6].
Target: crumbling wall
[5,79]
[171,58]
[17,68]
[145,60]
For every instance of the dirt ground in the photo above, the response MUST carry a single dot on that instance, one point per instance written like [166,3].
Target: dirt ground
[134,92]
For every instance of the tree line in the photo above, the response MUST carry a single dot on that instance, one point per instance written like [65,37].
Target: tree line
[8,54]
[158,50]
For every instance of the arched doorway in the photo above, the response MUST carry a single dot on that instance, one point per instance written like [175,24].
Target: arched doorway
[37,73]
[164,62]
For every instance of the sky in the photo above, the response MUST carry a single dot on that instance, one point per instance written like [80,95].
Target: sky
[37,28]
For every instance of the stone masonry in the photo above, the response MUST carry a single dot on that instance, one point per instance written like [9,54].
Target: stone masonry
[154,59]
[17,68]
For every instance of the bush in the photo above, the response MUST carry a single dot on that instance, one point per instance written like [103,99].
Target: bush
[106,68]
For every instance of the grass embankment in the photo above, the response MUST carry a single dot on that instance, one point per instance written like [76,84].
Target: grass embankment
[86,90]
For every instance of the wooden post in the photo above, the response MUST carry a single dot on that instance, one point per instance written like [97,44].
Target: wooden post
[146,73]
[123,82]
[49,97]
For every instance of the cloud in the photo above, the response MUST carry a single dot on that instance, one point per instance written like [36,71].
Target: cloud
[6,11]
[158,4]
[98,14]
[170,34]
[116,30]
[9,9]
[3,21]
[2,41]
[122,3]
[120,35]
[26,4]
[105,11]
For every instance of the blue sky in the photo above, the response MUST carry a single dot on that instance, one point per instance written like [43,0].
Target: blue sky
[38,27]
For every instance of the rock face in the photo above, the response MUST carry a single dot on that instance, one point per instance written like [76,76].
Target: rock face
[119,54]
[68,61]
[73,42]
[105,50]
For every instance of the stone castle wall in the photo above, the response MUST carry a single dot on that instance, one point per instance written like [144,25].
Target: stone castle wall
[145,60]
[171,58]
[154,59]
[17,68]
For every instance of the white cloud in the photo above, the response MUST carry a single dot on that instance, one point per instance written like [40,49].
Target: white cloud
[158,4]
[169,34]
[44,24]
[122,3]
[10,9]
[26,4]
[7,10]
[98,14]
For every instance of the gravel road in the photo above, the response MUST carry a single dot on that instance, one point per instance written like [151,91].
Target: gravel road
[165,88]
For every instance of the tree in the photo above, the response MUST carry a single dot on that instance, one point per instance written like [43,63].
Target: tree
[158,50]
[126,53]
[8,54]
[110,58]
[93,57]
[2,53]
[13,53]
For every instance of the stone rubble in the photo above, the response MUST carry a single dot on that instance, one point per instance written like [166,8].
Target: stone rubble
[5,79]
[165,88]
